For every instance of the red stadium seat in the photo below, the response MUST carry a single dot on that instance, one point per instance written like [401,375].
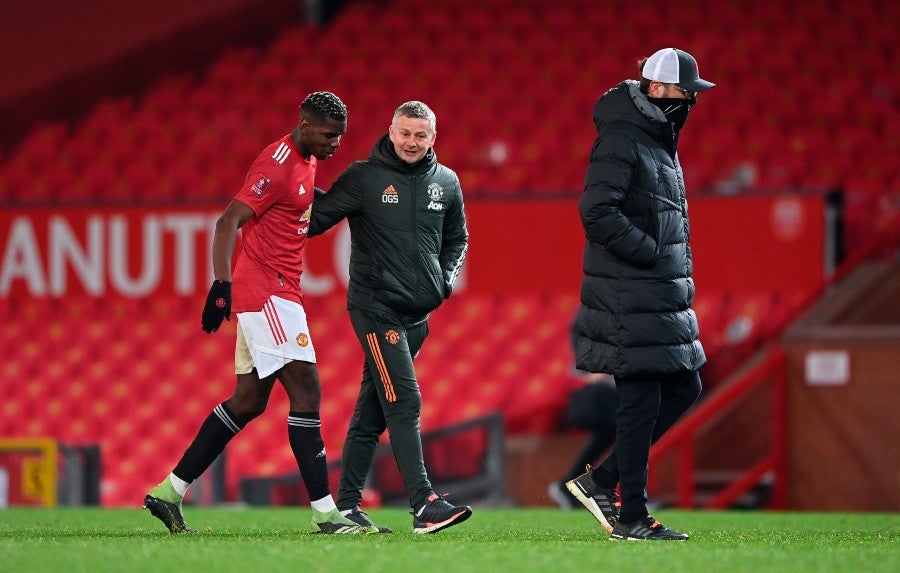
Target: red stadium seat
[514,87]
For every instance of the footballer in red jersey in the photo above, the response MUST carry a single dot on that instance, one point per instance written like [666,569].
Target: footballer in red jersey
[273,342]
[279,189]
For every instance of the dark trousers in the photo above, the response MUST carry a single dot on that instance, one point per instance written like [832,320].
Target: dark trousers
[648,406]
[389,398]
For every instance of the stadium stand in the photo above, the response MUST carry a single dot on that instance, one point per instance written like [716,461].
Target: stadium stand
[513,84]
[116,381]
[770,112]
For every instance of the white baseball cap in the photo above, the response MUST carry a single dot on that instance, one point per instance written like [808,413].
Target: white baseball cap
[673,66]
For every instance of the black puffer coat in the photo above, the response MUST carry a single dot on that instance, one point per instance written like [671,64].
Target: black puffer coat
[636,294]
[407,227]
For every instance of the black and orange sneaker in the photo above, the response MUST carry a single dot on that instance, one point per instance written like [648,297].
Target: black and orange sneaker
[437,514]
[603,504]
[645,529]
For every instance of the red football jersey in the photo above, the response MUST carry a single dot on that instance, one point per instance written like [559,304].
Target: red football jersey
[279,188]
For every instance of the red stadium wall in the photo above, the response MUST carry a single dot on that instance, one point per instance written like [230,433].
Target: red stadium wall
[739,244]
[103,345]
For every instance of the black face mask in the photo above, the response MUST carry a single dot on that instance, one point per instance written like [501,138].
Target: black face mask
[676,110]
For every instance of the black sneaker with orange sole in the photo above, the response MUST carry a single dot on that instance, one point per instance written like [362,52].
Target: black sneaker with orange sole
[437,514]
[645,529]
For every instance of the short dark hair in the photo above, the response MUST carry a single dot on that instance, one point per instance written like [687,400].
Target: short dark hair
[645,83]
[323,105]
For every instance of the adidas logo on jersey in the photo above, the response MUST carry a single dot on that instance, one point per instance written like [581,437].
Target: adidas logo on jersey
[281,153]
[390,195]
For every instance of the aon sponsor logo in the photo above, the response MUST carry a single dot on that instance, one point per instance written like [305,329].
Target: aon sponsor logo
[436,206]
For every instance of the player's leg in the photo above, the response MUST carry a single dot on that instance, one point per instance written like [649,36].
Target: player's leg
[366,426]
[389,360]
[301,382]
[281,345]
[640,400]
[389,349]
[595,488]
[626,463]
[679,392]
[228,418]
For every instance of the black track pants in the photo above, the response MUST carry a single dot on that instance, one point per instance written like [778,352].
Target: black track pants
[389,398]
[648,407]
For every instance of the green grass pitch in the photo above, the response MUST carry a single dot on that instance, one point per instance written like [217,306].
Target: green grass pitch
[261,540]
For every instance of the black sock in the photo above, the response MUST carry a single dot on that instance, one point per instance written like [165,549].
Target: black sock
[304,433]
[215,433]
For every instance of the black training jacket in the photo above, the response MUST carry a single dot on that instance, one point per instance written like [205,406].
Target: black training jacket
[636,294]
[408,231]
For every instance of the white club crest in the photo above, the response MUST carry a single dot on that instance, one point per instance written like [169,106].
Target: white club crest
[435,191]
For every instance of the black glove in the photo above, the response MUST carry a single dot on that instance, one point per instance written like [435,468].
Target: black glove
[218,306]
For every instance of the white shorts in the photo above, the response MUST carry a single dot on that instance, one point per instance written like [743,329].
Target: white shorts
[272,337]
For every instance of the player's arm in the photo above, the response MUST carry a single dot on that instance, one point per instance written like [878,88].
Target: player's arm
[454,243]
[218,301]
[234,217]
[607,181]
[342,199]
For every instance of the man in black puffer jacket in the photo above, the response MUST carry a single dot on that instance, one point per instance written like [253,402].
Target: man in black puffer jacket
[409,240]
[636,321]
